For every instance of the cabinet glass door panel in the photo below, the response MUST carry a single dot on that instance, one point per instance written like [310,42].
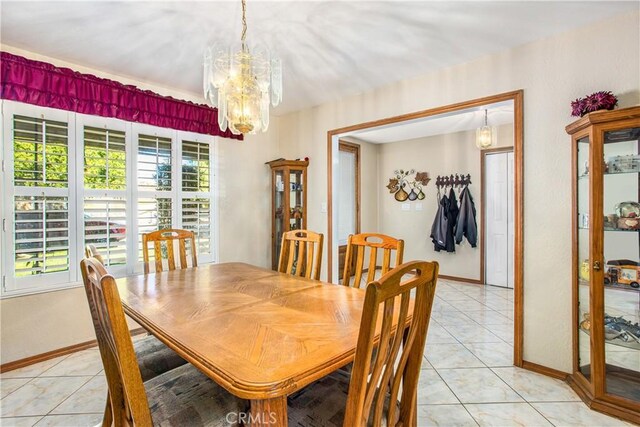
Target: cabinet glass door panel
[296,208]
[584,263]
[279,209]
[621,208]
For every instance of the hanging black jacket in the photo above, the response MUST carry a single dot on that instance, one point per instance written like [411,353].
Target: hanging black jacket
[466,224]
[452,220]
[439,227]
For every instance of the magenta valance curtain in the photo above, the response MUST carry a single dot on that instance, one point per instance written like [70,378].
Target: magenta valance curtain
[43,84]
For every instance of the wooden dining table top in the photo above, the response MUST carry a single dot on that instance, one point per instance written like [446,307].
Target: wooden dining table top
[258,333]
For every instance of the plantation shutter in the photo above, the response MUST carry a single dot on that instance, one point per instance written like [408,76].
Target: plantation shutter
[196,195]
[105,185]
[155,185]
[40,236]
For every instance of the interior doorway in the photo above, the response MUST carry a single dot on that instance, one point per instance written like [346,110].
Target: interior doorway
[498,205]
[446,117]
[349,197]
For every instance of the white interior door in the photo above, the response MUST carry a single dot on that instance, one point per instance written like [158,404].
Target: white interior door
[498,214]
[346,196]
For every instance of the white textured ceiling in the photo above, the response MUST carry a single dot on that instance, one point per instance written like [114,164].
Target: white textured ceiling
[464,120]
[329,49]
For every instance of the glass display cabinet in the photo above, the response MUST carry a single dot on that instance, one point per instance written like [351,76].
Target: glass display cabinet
[606,261]
[288,201]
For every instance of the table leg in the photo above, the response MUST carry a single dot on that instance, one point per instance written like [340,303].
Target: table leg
[269,412]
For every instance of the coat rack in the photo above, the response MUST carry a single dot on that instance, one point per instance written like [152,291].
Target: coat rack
[456,180]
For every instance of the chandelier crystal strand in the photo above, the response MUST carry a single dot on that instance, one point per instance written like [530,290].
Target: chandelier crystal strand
[242,82]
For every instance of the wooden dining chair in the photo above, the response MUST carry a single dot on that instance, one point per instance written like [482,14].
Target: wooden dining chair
[357,262]
[154,358]
[297,254]
[182,396]
[163,242]
[381,389]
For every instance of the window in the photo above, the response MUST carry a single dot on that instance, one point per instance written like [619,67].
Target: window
[69,180]
[196,206]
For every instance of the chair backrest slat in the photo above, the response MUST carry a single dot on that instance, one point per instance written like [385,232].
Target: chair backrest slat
[297,254]
[128,399]
[377,379]
[90,251]
[165,239]
[355,263]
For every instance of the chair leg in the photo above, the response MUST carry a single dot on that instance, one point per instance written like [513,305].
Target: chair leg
[107,420]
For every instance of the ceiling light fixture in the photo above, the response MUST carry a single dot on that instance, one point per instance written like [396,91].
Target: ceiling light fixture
[485,136]
[241,82]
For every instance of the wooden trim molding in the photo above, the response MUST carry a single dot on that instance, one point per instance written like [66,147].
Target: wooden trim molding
[544,370]
[518,151]
[461,279]
[32,360]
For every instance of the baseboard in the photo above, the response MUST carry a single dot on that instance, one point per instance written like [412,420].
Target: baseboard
[461,279]
[544,370]
[32,360]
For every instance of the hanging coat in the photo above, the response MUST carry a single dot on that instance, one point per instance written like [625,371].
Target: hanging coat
[439,227]
[452,220]
[466,225]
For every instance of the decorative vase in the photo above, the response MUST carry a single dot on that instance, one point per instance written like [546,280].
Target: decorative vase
[421,195]
[401,195]
[412,195]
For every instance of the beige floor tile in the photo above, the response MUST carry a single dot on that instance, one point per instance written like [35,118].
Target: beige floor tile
[19,421]
[88,420]
[489,317]
[535,387]
[438,335]
[33,370]
[452,318]
[432,390]
[9,385]
[40,395]
[83,363]
[91,397]
[451,356]
[470,333]
[478,385]
[492,354]
[505,332]
[506,414]
[444,415]
[575,414]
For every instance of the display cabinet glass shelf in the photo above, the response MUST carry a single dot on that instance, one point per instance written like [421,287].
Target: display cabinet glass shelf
[606,261]
[288,201]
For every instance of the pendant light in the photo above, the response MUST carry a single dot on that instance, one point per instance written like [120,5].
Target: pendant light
[485,135]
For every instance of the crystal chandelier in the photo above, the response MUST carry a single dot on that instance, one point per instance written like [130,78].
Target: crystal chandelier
[241,82]
[485,136]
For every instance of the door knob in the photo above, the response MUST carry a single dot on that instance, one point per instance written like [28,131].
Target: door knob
[596,265]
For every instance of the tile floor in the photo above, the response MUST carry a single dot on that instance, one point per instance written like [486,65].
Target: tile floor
[467,378]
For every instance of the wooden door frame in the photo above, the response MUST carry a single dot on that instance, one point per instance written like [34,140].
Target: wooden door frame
[518,151]
[483,196]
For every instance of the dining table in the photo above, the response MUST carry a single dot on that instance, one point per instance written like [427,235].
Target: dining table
[260,334]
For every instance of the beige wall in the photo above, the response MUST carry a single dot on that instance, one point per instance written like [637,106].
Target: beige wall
[36,324]
[439,155]
[552,72]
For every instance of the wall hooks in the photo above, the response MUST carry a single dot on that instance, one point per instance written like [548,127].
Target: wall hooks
[456,180]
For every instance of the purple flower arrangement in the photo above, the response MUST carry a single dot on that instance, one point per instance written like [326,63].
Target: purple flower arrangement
[596,101]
